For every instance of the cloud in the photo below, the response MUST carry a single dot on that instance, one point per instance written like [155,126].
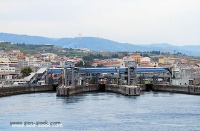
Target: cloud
[131,21]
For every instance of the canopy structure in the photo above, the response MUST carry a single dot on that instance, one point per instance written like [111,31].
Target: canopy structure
[122,70]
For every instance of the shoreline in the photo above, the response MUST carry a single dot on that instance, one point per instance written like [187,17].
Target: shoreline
[123,89]
[17,90]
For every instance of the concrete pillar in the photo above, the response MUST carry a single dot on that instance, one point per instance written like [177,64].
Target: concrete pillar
[129,76]
[73,78]
[132,74]
[69,67]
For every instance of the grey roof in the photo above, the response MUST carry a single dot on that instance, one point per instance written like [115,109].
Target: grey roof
[41,70]
[122,70]
[28,78]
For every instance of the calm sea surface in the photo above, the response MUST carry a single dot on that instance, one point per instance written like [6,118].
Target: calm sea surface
[100,111]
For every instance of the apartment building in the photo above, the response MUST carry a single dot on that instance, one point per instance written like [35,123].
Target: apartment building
[30,60]
[8,68]
[48,56]
[2,54]
[145,61]
[137,58]
[128,59]
[15,54]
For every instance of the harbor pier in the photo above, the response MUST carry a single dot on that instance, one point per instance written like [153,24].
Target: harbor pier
[121,89]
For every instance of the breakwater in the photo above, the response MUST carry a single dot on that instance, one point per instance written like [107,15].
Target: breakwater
[16,90]
[70,90]
[122,89]
[186,89]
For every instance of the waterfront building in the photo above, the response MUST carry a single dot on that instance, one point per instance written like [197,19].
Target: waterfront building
[8,68]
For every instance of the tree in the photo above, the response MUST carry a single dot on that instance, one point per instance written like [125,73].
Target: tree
[100,65]
[84,64]
[145,55]
[26,71]
[79,64]
[88,58]
[114,56]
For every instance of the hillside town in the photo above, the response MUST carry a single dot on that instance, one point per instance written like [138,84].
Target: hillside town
[11,63]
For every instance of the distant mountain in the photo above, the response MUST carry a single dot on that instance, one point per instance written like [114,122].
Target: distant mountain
[99,44]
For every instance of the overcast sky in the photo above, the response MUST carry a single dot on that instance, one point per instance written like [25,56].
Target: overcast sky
[175,22]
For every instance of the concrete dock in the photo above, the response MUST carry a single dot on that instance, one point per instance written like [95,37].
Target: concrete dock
[16,90]
[128,90]
[121,89]
[186,89]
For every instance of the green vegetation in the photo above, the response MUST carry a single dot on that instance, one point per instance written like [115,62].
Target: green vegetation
[26,71]
[78,53]
[5,45]
[29,48]
[87,62]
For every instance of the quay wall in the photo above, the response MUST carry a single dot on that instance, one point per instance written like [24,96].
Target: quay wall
[16,90]
[125,90]
[70,90]
[142,87]
[187,89]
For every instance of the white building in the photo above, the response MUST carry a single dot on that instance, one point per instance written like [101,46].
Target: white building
[127,60]
[31,60]
[8,68]
[48,56]
[145,61]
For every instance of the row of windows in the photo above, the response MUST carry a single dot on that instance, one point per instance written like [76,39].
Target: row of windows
[9,62]
[7,69]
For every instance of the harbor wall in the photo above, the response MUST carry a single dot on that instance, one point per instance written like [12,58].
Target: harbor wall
[16,90]
[142,87]
[125,90]
[70,90]
[121,89]
[187,89]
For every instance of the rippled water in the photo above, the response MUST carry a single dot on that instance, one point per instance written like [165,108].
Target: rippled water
[102,111]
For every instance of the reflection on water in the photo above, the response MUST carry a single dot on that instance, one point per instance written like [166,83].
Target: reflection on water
[103,111]
[71,99]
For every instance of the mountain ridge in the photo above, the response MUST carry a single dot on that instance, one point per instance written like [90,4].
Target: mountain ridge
[99,44]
